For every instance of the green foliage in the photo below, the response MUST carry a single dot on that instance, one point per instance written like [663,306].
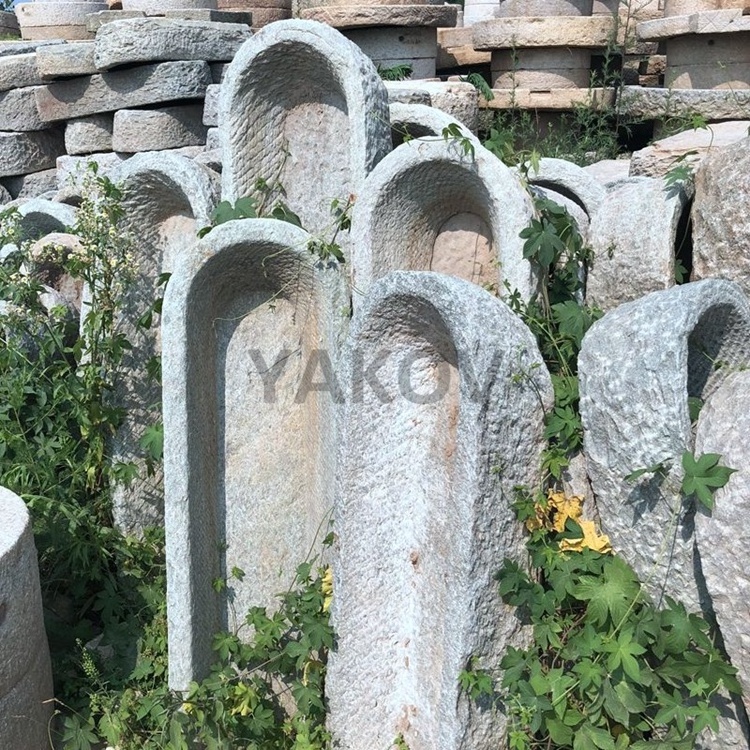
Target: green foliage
[607,669]
[453,132]
[703,476]
[478,81]
[395,73]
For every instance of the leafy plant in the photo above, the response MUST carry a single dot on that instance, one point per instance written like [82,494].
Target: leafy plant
[396,72]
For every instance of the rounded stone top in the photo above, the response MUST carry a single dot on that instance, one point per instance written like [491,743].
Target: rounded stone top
[552,31]
[359,16]
[14,520]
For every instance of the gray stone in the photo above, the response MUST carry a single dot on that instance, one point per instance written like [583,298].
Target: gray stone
[5,196]
[635,238]
[18,110]
[661,104]
[247,460]
[410,121]
[209,14]
[388,46]
[723,427]
[211,106]
[160,7]
[372,16]
[67,290]
[546,31]
[71,170]
[94,21]
[689,148]
[721,224]
[419,506]
[14,48]
[210,158]
[64,60]
[570,180]
[17,71]
[25,673]
[158,129]
[264,16]
[318,138]
[21,153]
[638,366]
[108,92]
[166,199]
[430,206]
[217,71]
[56,20]
[609,170]
[511,8]
[141,40]
[213,141]
[713,22]
[31,185]
[40,217]
[88,135]
[9,24]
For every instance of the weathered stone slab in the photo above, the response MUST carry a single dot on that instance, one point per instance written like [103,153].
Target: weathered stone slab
[108,92]
[541,68]
[638,366]
[56,20]
[31,185]
[318,138]
[689,147]
[414,483]
[18,110]
[656,104]
[458,99]
[65,60]
[455,47]
[141,40]
[211,105]
[25,47]
[96,20]
[609,170]
[5,196]
[160,7]
[88,135]
[723,427]
[9,24]
[389,46]
[166,199]
[25,674]
[410,121]
[555,100]
[17,71]
[569,180]
[158,129]
[548,31]
[71,170]
[721,225]
[714,62]
[430,206]
[635,238]
[525,8]
[40,216]
[247,460]
[21,153]
[209,14]
[707,22]
[356,16]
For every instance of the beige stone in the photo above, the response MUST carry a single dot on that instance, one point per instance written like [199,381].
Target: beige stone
[541,68]
[455,49]
[556,100]
[609,170]
[147,84]
[530,8]
[213,16]
[263,16]
[64,60]
[389,46]
[18,110]
[87,135]
[44,33]
[17,71]
[458,99]
[250,5]
[96,20]
[710,22]
[159,7]
[137,130]
[709,62]
[687,7]
[712,104]
[58,18]
[516,33]
[349,17]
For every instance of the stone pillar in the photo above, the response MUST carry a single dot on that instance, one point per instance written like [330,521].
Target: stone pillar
[25,676]
[430,455]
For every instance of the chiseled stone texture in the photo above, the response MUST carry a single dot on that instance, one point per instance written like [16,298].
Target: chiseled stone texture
[159,7]
[31,185]
[723,427]
[422,522]
[388,46]
[570,180]
[17,71]
[18,111]
[108,92]
[638,366]
[712,104]
[721,224]
[21,153]
[166,199]
[547,31]
[406,218]
[248,451]
[71,170]
[510,8]
[87,135]
[361,16]
[410,121]
[211,106]
[634,235]
[158,129]
[142,40]
[25,673]
[689,147]
[94,21]
[40,216]
[319,138]
[56,20]
[65,60]
[607,171]
[456,98]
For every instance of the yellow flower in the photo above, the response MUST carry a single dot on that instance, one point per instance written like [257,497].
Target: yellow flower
[591,540]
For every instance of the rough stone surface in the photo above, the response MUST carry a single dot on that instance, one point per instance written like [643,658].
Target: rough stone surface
[24,47]
[661,104]
[541,68]
[709,62]
[64,60]
[8,23]
[212,139]
[570,180]
[355,16]
[40,216]
[414,489]
[95,20]
[21,153]
[166,199]
[721,224]
[5,196]
[25,673]
[159,7]
[609,170]
[141,40]
[68,290]
[689,147]
[211,105]
[89,134]
[17,71]
[634,236]
[723,427]
[555,100]
[403,212]
[209,14]
[393,45]
[56,20]
[457,99]
[551,31]
[511,8]
[31,185]
[638,366]
[71,170]
[18,110]
[248,461]
[708,22]
[157,129]
[108,92]
[210,158]
[319,138]
[455,49]
[419,121]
